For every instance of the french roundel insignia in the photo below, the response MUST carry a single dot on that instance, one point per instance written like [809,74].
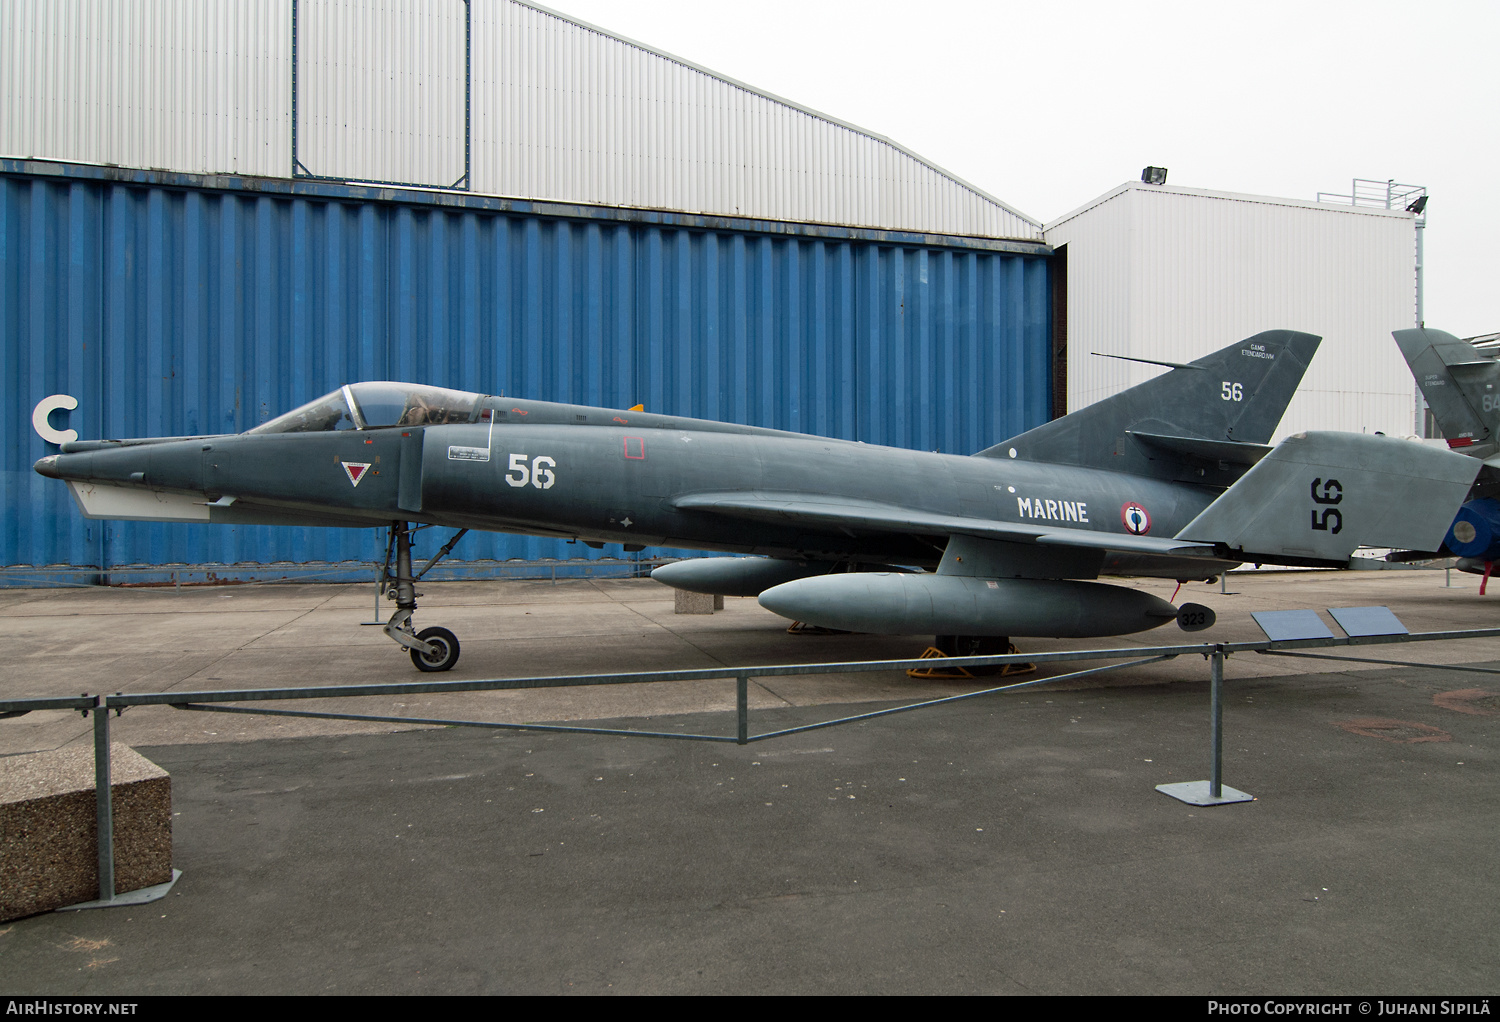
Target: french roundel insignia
[356,470]
[1136,519]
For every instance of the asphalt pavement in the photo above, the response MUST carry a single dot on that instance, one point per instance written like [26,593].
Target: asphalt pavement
[1009,844]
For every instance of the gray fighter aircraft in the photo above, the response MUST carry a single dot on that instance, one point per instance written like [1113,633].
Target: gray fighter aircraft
[1171,478]
[1462,388]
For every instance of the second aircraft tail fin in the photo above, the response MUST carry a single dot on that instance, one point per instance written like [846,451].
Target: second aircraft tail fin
[1461,384]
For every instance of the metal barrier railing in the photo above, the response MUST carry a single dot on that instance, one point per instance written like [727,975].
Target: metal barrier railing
[211,701]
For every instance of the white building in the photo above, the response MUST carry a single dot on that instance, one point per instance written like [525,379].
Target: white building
[1163,272]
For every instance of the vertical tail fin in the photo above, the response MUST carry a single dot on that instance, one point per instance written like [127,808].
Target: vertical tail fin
[1238,394]
[1461,384]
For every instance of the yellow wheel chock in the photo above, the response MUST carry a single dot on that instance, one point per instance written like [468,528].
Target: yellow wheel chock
[947,673]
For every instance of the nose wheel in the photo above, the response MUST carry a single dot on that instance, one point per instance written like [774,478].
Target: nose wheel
[431,649]
[444,650]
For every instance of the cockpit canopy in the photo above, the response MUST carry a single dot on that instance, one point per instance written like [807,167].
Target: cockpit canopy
[377,406]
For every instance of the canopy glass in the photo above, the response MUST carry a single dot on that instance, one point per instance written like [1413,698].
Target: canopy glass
[377,406]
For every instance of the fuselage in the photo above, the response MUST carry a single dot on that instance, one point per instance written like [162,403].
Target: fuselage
[602,475]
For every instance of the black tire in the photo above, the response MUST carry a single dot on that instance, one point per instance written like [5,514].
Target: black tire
[446,654]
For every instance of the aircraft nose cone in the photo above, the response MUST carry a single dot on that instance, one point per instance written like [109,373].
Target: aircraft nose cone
[48,467]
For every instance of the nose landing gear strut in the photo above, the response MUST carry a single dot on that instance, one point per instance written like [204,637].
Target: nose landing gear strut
[432,649]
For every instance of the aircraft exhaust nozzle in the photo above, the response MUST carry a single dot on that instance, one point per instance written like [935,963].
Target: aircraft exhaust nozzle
[903,604]
[1475,532]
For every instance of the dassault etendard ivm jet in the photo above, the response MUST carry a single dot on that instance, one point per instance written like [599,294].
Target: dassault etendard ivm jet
[1172,478]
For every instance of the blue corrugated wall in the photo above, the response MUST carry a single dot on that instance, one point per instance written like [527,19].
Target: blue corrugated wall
[170,309]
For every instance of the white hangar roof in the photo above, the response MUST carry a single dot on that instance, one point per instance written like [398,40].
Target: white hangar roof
[558,110]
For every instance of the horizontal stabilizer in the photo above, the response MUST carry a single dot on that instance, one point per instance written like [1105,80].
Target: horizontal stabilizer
[1228,451]
[1319,496]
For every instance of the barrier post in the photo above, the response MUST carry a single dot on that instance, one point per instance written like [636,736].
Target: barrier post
[1212,791]
[742,707]
[104,810]
[1216,724]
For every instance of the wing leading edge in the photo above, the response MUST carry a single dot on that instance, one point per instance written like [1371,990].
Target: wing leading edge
[817,511]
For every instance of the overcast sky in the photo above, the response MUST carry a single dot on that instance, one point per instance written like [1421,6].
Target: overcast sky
[1046,105]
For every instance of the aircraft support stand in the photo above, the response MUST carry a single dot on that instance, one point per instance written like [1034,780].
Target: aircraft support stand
[1211,792]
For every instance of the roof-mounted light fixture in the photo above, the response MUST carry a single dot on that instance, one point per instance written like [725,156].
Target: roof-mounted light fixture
[1154,176]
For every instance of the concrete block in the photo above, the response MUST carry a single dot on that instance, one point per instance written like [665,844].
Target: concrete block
[696,603]
[48,854]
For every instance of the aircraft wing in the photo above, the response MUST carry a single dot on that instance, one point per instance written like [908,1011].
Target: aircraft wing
[853,515]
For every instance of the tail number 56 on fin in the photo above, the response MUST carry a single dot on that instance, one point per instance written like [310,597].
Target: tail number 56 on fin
[1332,519]
[539,473]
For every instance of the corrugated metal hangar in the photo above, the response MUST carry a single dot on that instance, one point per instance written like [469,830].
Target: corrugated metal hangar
[214,211]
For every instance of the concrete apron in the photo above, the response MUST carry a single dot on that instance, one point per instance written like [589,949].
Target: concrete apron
[1010,845]
[69,641]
